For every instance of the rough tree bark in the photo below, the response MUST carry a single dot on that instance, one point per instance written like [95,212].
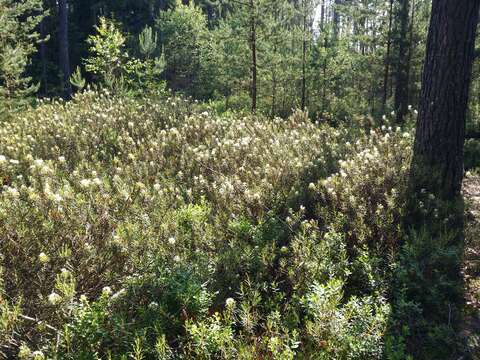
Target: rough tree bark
[64,56]
[438,151]
[402,70]
[410,52]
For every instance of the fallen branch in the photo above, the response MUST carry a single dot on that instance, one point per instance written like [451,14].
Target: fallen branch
[38,322]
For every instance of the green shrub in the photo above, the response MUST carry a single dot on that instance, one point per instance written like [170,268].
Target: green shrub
[427,298]
[366,197]
[154,228]
[472,154]
[351,330]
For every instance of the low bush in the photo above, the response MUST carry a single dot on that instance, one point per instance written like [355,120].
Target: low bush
[147,228]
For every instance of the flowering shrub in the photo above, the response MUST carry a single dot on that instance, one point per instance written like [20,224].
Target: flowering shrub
[153,228]
[367,193]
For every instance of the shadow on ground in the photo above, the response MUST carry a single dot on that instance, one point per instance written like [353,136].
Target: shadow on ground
[436,286]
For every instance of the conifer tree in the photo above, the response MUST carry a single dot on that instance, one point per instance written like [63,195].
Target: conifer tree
[182,31]
[18,40]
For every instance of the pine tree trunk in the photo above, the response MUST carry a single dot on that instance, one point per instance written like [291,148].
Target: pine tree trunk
[274,95]
[387,58]
[438,151]
[64,57]
[336,19]
[410,53]
[304,57]
[402,70]
[151,11]
[253,50]
[322,16]
[43,58]
[324,92]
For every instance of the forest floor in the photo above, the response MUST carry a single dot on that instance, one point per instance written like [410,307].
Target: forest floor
[471,191]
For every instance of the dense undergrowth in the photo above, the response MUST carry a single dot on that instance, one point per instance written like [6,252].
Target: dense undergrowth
[156,229]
